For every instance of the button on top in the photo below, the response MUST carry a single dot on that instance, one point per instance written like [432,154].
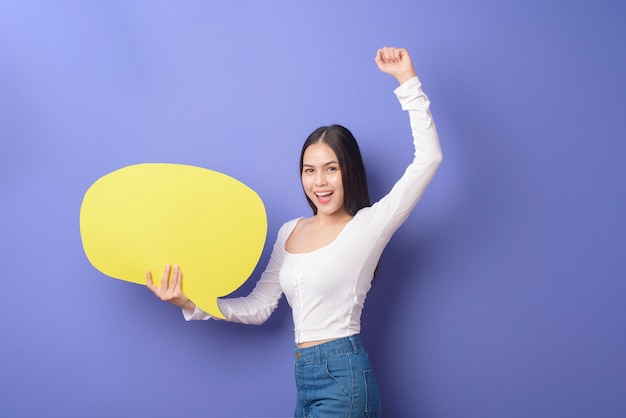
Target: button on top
[298,354]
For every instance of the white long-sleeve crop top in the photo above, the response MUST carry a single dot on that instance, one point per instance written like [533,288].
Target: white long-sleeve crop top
[326,288]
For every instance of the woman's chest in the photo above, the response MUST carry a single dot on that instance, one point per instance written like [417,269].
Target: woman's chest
[334,268]
[317,274]
[308,237]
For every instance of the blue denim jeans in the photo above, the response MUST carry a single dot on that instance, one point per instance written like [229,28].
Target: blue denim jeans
[335,379]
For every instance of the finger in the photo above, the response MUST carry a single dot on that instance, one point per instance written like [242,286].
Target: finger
[174,287]
[379,57]
[384,54]
[390,54]
[403,54]
[150,284]
[149,281]
[395,55]
[177,278]
[166,276]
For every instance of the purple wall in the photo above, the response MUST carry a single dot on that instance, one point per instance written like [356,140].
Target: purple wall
[504,294]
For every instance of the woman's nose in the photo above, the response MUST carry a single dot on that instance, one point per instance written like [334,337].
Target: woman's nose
[320,179]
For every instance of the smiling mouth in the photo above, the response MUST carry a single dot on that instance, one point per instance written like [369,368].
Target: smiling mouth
[324,197]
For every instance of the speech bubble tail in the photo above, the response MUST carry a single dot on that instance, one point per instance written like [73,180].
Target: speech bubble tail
[212,308]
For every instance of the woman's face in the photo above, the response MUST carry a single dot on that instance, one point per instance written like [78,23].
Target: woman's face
[321,179]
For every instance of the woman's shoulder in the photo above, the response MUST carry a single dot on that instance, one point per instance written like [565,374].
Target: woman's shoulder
[287,228]
[292,223]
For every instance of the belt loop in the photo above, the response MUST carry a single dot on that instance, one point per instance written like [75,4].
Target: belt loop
[355,347]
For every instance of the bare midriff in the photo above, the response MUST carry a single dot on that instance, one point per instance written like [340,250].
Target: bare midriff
[313,343]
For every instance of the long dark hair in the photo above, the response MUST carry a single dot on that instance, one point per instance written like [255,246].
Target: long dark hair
[345,147]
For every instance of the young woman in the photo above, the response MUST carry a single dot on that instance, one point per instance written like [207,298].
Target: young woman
[325,264]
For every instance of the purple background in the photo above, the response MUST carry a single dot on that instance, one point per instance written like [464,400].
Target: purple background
[504,294]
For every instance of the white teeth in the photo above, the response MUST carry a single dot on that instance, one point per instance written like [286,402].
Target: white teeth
[323,194]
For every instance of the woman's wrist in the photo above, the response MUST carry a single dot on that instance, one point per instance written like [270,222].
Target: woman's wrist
[188,305]
[406,76]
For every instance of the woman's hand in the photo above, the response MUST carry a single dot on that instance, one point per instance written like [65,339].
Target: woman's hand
[396,62]
[170,290]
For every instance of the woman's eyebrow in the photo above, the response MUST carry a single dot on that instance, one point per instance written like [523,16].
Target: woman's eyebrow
[328,163]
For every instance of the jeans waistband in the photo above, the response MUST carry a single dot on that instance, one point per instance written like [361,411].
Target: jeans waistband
[333,348]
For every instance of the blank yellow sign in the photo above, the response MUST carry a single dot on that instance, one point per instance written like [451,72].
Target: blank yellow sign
[145,216]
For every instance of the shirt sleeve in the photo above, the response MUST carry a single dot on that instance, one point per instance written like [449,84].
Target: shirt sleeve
[386,215]
[257,307]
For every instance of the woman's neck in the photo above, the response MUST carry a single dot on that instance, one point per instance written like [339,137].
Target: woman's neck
[322,219]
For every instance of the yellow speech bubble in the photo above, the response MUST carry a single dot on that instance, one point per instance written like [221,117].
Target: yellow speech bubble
[144,216]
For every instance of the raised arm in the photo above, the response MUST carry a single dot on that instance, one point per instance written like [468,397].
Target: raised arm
[386,215]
